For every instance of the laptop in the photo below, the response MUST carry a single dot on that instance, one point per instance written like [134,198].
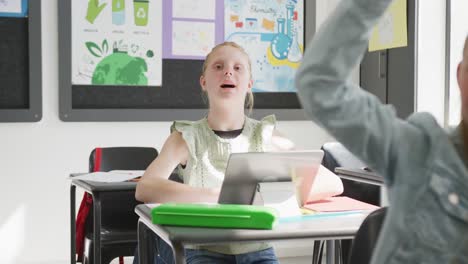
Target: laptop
[245,171]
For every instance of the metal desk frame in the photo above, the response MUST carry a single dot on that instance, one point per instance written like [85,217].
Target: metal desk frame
[95,189]
[322,228]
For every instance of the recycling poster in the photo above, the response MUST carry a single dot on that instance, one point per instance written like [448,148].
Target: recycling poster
[116,42]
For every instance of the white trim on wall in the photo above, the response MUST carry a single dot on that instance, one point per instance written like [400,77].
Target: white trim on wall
[458,30]
[431,58]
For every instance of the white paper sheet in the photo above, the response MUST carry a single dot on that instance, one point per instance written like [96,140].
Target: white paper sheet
[198,9]
[111,176]
[200,35]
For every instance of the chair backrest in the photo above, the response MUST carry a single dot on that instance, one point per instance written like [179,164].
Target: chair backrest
[366,237]
[119,205]
[336,155]
[121,158]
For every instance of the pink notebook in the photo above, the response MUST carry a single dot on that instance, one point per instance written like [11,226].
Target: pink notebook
[339,203]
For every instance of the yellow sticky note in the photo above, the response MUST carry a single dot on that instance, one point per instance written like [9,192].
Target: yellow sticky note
[391,31]
[234,18]
[268,24]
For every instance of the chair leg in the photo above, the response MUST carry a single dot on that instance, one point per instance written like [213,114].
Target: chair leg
[346,249]
[106,257]
[88,252]
[317,252]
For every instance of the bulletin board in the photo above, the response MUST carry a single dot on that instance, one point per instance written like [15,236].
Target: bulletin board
[140,60]
[20,61]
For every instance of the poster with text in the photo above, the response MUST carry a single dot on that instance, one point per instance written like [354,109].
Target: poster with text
[117,42]
[391,31]
[272,33]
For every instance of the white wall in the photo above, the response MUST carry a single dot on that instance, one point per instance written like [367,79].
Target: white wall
[431,55]
[36,158]
[431,58]
[459,30]
[324,9]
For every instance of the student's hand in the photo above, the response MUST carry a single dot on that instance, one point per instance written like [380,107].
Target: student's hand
[314,183]
[94,9]
[326,184]
[280,142]
[303,178]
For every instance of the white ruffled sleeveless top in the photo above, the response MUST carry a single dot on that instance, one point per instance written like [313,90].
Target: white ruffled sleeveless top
[209,153]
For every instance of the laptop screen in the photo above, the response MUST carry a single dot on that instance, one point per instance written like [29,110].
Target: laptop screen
[245,170]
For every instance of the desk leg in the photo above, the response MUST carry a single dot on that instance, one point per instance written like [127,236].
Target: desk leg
[145,244]
[72,224]
[330,245]
[338,249]
[384,196]
[97,228]
[179,253]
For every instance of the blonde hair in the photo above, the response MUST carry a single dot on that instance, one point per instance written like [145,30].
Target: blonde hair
[249,99]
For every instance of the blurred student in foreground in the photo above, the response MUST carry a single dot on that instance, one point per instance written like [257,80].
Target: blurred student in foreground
[425,168]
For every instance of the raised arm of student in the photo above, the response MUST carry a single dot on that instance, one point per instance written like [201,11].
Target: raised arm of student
[155,186]
[354,117]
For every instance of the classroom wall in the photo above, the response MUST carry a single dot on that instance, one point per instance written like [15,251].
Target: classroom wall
[430,79]
[431,58]
[36,159]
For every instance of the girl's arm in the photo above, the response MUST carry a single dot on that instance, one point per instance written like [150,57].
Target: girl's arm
[155,187]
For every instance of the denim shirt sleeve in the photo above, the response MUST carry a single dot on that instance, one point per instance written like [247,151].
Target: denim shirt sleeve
[354,117]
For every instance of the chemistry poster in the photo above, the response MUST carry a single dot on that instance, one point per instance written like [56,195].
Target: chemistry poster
[272,33]
[116,42]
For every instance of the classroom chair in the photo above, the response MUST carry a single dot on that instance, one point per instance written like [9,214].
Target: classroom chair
[366,237]
[118,230]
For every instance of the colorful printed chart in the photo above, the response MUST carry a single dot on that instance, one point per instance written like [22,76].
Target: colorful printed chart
[272,33]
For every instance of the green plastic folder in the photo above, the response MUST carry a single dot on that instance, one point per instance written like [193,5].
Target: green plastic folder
[215,215]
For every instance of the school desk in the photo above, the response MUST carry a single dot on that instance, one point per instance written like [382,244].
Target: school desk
[360,175]
[329,228]
[96,189]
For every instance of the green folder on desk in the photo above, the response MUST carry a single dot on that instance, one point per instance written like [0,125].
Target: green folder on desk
[215,215]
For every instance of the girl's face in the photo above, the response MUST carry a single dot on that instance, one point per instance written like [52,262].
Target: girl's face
[226,79]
